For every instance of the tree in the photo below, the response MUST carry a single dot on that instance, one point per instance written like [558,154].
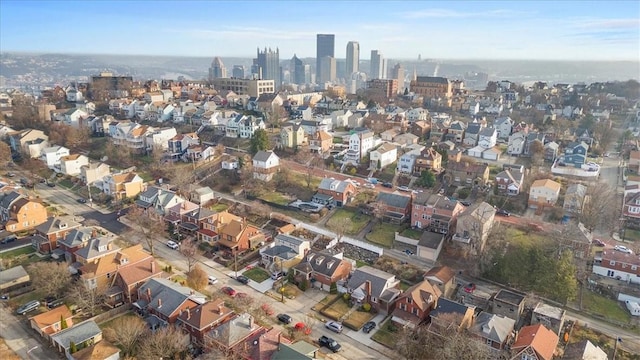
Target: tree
[63,323]
[145,226]
[604,134]
[537,152]
[189,249]
[126,332]
[52,279]
[378,210]
[5,153]
[197,279]
[73,347]
[167,343]
[426,179]
[88,298]
[599,208]
[340,226]
[259,141]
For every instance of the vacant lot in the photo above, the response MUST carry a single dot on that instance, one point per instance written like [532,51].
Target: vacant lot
[336,310]
[356,222]
[386,335]
[383,234]
[606,307]
[257,274]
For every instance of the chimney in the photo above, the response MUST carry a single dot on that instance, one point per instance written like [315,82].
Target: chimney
[149,294]
[153,267]
[220,309]
[279,340]
[94,233]
[188,314]
[159,303]
[250,321]
[367,290]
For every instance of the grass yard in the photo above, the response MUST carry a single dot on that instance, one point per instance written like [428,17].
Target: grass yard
[360,263]
[66,183]
[276,198]
[356,224]
[632,235]
[301,180]
[109,322]
[219,207]
[518,237]
[336,310]
[25,298]
[606,307]
[383,234]
[257,274]
[605,342]
[386,335]
[18,252]
[337,140]
[327,300]
[357,319]
[412,233]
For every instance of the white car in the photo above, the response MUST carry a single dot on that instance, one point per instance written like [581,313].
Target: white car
[173,245]
[623,249]
[212,280]
[403,188]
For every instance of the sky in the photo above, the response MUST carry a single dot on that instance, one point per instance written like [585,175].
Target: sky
[528,30]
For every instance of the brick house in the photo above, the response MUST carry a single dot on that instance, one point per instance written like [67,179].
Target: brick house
[47,234]
[340,191]
[239,235]
[130,277]
[376,287]
[321,142]
[617,265]
[474,225]
[20,213]
[397,208]
[166,299]
[466,173]
[435,212]
[198,321]
[510,181]
[75,240]
[414,305]
[322,269]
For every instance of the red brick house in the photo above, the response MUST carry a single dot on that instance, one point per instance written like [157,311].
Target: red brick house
[130,277]
[47,234]
[322,269]
[415,304]
[166,299]
[435,213]
[75,240]
[198,321]
[340,191]
[534,342]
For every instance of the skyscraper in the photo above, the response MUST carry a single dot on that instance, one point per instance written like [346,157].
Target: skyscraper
[238,71]
[353,58]
[268,64]
[325,46]
[328,67]
[398,74]
[378,66]
[217,69]
[297,71]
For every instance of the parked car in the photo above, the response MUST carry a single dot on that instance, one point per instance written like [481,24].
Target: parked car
[388,185]
[598,242]
[334,326]
[173,245]
[329,343]
[370,325]
[623,249]
[242,279]
[503,212]
[50,184]
[403,188]
[470,288]
[229,291]
[284,318]
[28,307]
[465,203]
[212,280]
[277,275]
[9,239]
[52,302]
[82,201]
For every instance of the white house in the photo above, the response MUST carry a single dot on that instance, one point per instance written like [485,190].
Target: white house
[487,138]
[417,114]
[265,165]
[383,156]
[617,265]
[249,126]
[407,160]
[74,95]
[494,109]
[159,138]
[504,126]
[72,164]
[74,117]
[51,156]
[94,171]
[340,118]
[474,108]
[359,145]
[230,163]
[516,144]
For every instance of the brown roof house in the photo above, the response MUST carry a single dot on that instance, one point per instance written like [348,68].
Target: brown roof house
[443,277]
[321,142]
[375,287]
[474,225]
[19,212]
[47,234]
[534,342]
[543,193]
[414,305]
[52,321]
[131,276]
[429,160]
[238,234]
[103,350]
[198,321]
[467,173]
[321,269]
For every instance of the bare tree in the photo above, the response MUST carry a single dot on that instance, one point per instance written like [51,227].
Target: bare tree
[197,279]
[52,279]
[149,228]
[126,332]
[537,153]
[600,208]
[189,249]
[604,134]
[167,343]
[5,153]
[340,226]
[88,298]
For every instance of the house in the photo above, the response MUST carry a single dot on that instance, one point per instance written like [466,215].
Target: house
[507,303]
[340,118]
[543,193]
[51,156]
[321,142]
[414,304]
[421,129]
[177,146]
[533,138]
[375,287]
[385,155]
[292,136]
[630,207]
[82,335]
[583,135]
[551,151]
[158,139]
[574,198]
[429,160]
[231,334]
[202,195]
[471,134]
[360,143]
[550,316]
[474,225]
[29,142]
[322,269]
[407,161]
[417,114]
[455,132]
[340,191]
[74,240]
[461,173]
[94,171]
[13,279]
[284,252]
[122,185]
[201,319]
[133,268]
[72,164]
[52,321]
[575,154]
[166,299]
[396,208]
[496,331]
[158,200]
[388,135]
[312,126]
[517,141]
[435,213]
[617,265]
[103,350]
[236,234]
[48,233]
[487,138]
[97,248]
[503,126]
[449,314]
[534,342]
[584,350]
[19,213]
[444,278]
[265,165]
[300,350]
[74,117]
[510,181]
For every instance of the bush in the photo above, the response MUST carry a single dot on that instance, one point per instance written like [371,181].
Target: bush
[346,297]
[303,285]
[366,307]
[333,289]
[464,193]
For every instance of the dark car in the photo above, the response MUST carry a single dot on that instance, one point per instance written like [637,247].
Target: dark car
[229,291]
[470,288]
[503,212]
[42,181]
[9,239]
[369,326]
[82,201]
[330,343]
[284,318]
[388,185]
[465,203]
[51,184]
[598,242]
[242,279]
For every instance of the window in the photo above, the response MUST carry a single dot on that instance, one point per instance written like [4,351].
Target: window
[489,342]
[414,311]
[409,301]
[612,263]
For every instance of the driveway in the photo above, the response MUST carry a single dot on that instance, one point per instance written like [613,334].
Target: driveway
[16,335]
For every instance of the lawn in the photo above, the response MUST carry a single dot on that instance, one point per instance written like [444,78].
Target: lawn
[606,307]
[66,183]
[109,322]
[357,223]
[337,140]
[219,207]
[25,298]
[301,180]
[412,233]
[360,263]
[357,319]
[631,235]
[518,237]
[257,274]
[276,198]
[327,300]
[383,234]
[386,335]
[336,310]
[18,252]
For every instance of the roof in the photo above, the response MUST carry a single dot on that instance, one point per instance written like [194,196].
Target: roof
[584,350]
[8,199]
[430,239]
[297,351]
[77,333]
[12,274]
[494,327]
[384,148]
[334,185]
[167,296]
[549,311]
[394,200]
[232,332]
[101,350]
[446,306]
[442,273]
[96,247]
[577,189]
[205,314]
[546,183]
[432,79]
[263,156]
[378,279]
[509,297]
[76,237]
[52,316]
[542,340]
[281,251]
[321,263]
[138,271]
[422,294]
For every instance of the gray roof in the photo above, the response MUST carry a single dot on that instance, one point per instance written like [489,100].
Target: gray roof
[77,237]
[430,239]
[12,274]
[321,263]
[473,128]
[333,185]
[54,224]
[281,251]
[262,155]
[294,351]
[92,249]
[170,294]
[549,311]
[201,213]
[509,297]
[9,198]
[233,331]
[488,131]
[494,327]
[378,279]
[432,79]
[577,189]
[395,200]
[446,306]
[501,120]
[294,240]
[78,333]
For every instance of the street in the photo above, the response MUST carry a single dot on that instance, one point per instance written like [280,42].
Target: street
[15,332]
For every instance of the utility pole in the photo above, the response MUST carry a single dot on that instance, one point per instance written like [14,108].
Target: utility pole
[615,348]
[90,199]
[235,261]
[281,282]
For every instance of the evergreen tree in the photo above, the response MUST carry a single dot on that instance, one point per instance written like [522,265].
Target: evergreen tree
[259,141]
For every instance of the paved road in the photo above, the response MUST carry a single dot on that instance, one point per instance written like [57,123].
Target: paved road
[14,331]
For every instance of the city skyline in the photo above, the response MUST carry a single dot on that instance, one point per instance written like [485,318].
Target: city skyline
[567,30]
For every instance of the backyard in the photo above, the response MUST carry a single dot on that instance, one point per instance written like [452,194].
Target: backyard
[336,310]
[257,274]
[357,319]
[383,234]
[411,233]
[607,308]
[357,221]
[386,335]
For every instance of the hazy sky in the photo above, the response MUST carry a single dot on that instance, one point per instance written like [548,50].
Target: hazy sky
[572,30]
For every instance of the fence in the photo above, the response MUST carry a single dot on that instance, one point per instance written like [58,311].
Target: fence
[112,313]
[405,240]
[363,245]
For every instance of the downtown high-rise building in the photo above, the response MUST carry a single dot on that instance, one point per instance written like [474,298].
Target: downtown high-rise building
[378,66]
[238,71]
[217,69]
[325,46]
[353,58]
[328,70]
[266,66]
[297,71]
[397,73]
